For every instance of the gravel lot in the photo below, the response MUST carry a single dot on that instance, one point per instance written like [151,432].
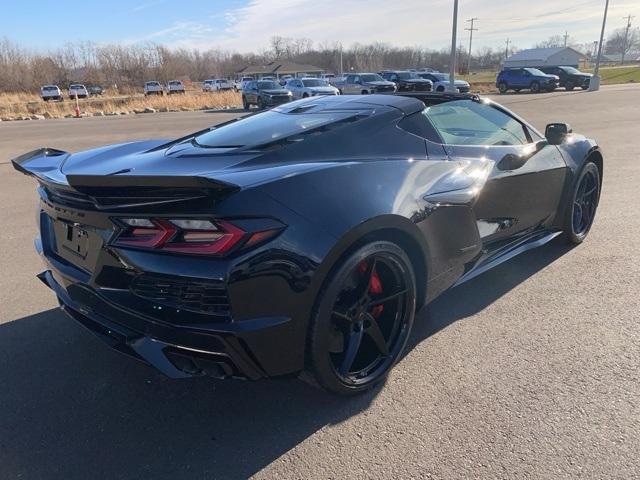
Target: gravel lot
[528,371]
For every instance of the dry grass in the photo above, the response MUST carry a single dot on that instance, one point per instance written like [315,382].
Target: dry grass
[24,104]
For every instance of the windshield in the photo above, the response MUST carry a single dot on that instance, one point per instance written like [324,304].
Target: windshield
[571,70]
[535,71]
[267,127]
[269,85]
[315,83]
[407,75]
[371,77]
[441,77]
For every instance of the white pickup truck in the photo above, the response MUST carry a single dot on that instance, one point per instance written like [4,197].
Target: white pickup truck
[153,88]
[50,92]
[77,90]
[175,86]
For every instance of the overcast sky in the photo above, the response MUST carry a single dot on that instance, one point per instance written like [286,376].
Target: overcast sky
[247,25]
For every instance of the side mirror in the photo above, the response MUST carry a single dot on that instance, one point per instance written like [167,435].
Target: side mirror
[556,133]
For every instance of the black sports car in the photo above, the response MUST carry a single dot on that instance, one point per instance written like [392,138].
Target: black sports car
[302,240]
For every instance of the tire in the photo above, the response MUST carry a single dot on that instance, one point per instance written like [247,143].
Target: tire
[568,86]
[305,95]
[262,105]
[583,205]
[440,89]
[503,87]
[364,92]
[46,99]
[535,87]
[517,90]
[351,353]
[246,105]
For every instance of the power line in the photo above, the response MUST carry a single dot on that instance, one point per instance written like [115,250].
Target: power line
[471,30]
[626,34]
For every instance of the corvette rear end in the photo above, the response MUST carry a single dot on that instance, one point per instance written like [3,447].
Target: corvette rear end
[144,263]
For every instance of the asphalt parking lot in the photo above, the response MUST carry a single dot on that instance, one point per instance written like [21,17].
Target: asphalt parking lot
[528,371]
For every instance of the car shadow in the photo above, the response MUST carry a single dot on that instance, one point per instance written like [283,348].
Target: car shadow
[71,408]
[474,296]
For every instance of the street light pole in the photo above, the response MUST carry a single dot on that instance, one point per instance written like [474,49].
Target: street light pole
[594,84]
[452,60]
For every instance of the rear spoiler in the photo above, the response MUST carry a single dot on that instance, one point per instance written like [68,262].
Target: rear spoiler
[118,190]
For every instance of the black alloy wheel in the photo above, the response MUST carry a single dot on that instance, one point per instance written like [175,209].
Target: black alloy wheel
[569,85]
[363,319]
[502,87]
[584,203]
[535,87]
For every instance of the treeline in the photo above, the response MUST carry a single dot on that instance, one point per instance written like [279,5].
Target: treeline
[129,66]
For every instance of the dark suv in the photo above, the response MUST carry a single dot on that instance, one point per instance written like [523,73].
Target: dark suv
[407,81]
[264,93]
[570,77]
[526,78]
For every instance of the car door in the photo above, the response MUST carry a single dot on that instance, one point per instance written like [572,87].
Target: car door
[523,189]
[252,92]
[298,87]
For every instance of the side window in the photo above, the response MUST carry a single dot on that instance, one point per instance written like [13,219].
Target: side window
[350,78]
[418,124]
[394,78]
[465,122]
[356,79]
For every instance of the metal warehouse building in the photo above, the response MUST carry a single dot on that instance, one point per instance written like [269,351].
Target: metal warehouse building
[545,57]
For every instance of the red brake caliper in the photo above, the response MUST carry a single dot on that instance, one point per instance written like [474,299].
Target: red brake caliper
[375,287]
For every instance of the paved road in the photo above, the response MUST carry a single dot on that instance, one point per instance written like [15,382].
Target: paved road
[529,371]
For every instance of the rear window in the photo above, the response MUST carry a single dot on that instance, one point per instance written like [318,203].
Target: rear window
[269,127]
[50,89]
[153,84]
[175,82]
[314,83]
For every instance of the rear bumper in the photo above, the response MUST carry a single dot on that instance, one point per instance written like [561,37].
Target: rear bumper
[221,351]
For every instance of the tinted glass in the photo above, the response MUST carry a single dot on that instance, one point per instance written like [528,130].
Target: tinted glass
[570,70]
[371,77]
[465,122]
[267,127]
[441,77]
[268,85]
[315,83]
[407,75]
[49,89]
[535,71]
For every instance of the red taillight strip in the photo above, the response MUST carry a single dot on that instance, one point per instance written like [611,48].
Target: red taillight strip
[148,237]
[230,237]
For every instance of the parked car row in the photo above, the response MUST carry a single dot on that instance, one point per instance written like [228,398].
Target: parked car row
[53,92]
[541,79]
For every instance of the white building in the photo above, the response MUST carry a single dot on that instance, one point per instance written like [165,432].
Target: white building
[545,57]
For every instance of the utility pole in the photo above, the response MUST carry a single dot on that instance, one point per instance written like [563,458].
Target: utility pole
[471,30]
[452,59]
[626,36]
[341,65]
[506,50]
[594,84]
[566,35]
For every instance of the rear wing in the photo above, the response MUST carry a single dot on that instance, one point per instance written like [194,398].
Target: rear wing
[117,190]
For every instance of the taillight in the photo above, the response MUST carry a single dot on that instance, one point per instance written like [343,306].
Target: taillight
[191,236]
